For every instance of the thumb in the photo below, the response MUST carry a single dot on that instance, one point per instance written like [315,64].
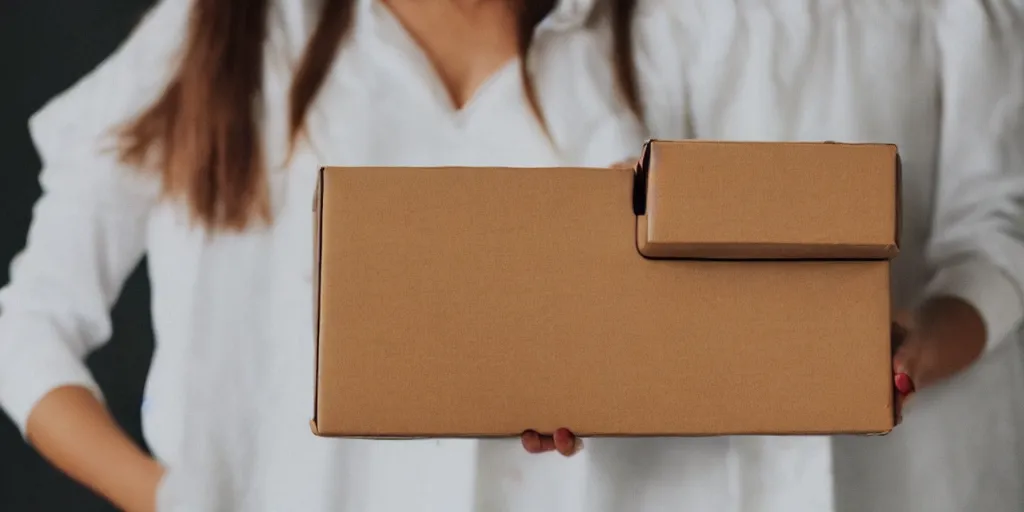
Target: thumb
[906,354]
[902,346]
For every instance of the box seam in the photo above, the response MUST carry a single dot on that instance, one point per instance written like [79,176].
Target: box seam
[318,199]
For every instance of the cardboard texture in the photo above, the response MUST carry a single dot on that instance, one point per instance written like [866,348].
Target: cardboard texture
[770,200]
[460,302]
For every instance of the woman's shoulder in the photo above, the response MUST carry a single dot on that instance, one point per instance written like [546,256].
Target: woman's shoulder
[119,86]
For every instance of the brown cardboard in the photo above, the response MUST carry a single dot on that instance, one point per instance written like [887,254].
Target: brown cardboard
[484,302]
[790,200]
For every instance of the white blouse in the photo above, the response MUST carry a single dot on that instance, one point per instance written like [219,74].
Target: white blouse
[230,389]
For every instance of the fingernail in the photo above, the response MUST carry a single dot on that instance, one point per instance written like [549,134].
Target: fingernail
[904,384]
[577,445]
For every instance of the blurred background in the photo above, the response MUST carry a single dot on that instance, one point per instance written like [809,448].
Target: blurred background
[46,45]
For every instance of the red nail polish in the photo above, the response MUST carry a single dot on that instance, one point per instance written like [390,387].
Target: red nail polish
[904,384]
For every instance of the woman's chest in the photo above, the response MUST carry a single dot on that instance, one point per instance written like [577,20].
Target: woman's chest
[816,69]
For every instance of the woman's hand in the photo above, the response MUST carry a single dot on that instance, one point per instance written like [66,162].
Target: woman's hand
[945,337]
[563,441]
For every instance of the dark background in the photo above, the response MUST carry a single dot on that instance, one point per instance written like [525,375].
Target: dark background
[45,46]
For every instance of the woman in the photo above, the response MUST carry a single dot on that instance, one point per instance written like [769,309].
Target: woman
[215,188]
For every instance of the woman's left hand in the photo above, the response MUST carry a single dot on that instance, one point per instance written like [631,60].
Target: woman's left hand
[945,337]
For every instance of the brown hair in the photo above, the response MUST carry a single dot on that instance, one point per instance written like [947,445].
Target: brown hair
[204,128]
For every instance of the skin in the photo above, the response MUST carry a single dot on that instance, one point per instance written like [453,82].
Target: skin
[467,41]
[941,339]
[75,432]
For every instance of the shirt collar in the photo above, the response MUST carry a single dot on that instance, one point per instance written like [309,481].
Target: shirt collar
[567,14]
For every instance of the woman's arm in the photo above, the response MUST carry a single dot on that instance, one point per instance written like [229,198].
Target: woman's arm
[74,431]
[977,243]
[976,299]
[88,233]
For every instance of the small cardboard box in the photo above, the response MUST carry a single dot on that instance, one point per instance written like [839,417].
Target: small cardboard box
[719,288]
[731,200]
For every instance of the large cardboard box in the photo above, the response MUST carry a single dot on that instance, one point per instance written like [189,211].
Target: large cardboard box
[718,288]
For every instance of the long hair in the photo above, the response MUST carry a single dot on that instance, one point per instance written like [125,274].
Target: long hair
[202,134]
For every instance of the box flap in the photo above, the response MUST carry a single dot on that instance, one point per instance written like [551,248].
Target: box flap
[750,200]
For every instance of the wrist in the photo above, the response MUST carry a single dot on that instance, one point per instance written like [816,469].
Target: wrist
[141,496]
[954,319]
[994,295]
[133,480]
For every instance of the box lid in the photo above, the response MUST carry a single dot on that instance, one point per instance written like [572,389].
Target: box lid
[751,200]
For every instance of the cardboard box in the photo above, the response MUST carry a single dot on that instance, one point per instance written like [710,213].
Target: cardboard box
[484,302]
[722,200]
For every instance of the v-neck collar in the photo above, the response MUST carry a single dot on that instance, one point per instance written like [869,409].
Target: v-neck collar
[366,32]
[393,35]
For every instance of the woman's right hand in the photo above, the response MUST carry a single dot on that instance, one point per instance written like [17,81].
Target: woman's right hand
[563,441]
[74,431]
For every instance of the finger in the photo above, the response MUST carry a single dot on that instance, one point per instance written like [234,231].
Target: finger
[905,319]
[566,443]
[903,345]
[916,363]
[903,383]
[898,335]
[903,390]
[533,442]
[906,357]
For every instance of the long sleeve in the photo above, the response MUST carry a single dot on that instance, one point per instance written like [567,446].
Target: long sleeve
[88,230]
[977,242]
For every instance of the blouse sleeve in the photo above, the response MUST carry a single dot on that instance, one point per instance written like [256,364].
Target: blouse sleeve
[88,228]
[977,242]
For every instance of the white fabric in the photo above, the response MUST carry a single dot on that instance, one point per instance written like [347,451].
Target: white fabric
[229,393]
